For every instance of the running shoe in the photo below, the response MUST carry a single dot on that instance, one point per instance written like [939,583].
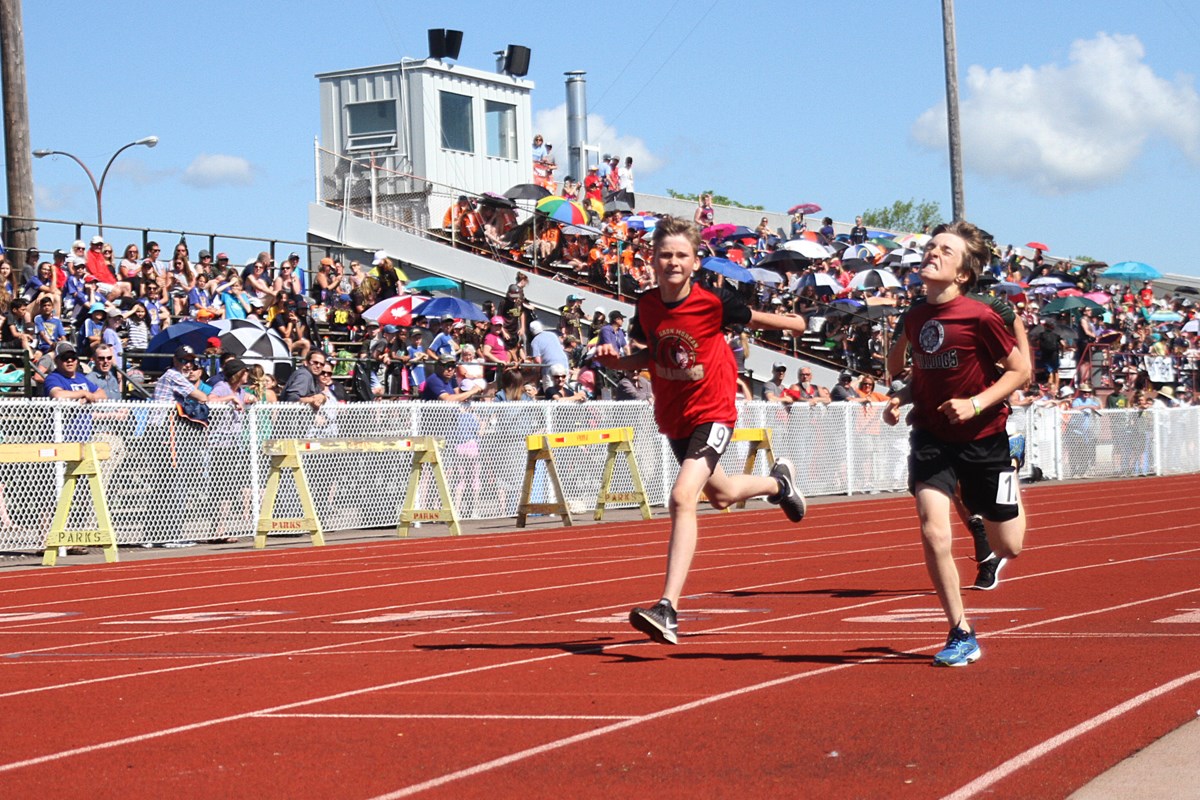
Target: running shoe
[983,550]
[961,649]
[658,622]
[789,497]
[988,577]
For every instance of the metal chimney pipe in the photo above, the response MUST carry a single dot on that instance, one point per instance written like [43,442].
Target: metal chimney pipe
[577,130]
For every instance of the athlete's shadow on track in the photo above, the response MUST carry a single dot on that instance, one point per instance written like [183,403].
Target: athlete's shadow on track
[591,647]
[850,593]
[879,655]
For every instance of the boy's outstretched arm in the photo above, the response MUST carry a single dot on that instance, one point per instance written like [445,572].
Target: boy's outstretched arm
[607,355]
[779,322]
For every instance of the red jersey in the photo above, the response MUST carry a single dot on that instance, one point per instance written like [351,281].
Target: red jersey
[693,373]
[955,348]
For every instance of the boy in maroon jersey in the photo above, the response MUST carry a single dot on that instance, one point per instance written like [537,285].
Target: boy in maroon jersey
[694,378]
[959,410]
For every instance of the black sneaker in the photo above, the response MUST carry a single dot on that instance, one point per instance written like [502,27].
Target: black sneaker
[658,622]
[988,577]
[983,550]
[788,498]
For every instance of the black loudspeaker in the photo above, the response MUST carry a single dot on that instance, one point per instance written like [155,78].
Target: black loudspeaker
[516,60]
[453,44]
[437,43]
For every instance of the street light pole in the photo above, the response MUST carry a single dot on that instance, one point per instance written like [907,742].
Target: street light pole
[98,186]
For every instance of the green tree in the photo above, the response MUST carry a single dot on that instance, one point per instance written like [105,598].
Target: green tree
[904,215]
[718,199]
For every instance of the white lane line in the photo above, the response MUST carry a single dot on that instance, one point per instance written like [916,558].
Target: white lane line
[506,717]
[208,723]
[558,744]
[1026,758]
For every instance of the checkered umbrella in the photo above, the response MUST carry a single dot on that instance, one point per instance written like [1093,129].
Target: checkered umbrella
[255,345]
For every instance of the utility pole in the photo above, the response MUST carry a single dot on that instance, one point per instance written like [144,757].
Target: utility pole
[20,233]
[956,180]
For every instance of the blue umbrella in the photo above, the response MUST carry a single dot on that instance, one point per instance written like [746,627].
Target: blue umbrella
[1131,271]
[172,337]
[433,285]
[1166,316]
[449,307]
[723,266]
[188,332]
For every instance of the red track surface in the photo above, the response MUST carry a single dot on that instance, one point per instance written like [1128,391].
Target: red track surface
[501,665]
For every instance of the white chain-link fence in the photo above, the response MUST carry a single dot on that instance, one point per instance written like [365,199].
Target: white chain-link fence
[168,481]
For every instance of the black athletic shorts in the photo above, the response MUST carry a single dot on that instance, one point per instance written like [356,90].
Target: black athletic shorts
[707,442]
[982,469]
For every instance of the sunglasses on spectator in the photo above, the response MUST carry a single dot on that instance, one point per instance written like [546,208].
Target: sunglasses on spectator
[327,372]
[104,358]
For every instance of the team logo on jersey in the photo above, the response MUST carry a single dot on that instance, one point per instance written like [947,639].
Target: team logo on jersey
[931,339]
[932,336]
[675,357]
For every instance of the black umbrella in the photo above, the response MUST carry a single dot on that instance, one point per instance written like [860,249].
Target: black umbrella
[785,261]
[617,205]
[496,200]
[1186,290]
[857,264]
[527,191]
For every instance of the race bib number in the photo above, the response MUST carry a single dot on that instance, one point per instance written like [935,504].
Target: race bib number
[718,438]
[1006,488]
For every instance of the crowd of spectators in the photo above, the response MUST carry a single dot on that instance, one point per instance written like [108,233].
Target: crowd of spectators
[1131,340]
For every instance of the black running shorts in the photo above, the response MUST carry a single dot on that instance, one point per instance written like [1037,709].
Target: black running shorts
[982,469]
[707,442]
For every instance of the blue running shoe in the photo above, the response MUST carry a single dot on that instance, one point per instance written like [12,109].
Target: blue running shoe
[961,649]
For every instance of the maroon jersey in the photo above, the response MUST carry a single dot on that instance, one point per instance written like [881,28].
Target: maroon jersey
[955,348]
[693,372]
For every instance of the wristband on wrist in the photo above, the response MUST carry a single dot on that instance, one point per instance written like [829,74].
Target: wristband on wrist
[976,404]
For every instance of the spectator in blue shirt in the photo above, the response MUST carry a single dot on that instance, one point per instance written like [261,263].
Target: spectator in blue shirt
[546,349]
[445,344]
[441,384]
[47,328]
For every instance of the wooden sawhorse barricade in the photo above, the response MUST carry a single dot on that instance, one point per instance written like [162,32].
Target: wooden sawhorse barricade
[541,447]
[82,460]
[285,457]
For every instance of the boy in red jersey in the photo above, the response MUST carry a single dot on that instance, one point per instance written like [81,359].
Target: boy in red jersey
[694,378]
[959,410]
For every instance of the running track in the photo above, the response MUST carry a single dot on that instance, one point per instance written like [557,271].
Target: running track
[501,665]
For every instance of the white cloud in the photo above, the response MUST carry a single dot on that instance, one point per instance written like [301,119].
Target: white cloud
[48,199]
[552,125]
[209,170]
[1065,128]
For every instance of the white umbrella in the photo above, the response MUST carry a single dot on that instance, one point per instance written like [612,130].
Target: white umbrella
[227,325]
[807,248]
[1192,326]
[875,279]
[820,280]
[766,276]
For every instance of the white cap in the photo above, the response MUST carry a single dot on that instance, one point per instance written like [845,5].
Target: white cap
[97,240]
[536,327]
[379,257]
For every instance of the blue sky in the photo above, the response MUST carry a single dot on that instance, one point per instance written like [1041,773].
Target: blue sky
[1082,122]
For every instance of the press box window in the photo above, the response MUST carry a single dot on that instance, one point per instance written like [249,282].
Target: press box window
[456,122]
[501,129]
[371,125]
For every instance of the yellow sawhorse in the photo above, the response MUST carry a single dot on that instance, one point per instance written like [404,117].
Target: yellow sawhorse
[285,457]
[541,448]
[760,441]
[82,460]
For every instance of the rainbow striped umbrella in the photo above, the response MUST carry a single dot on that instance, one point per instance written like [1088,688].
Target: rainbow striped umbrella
[562,210]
